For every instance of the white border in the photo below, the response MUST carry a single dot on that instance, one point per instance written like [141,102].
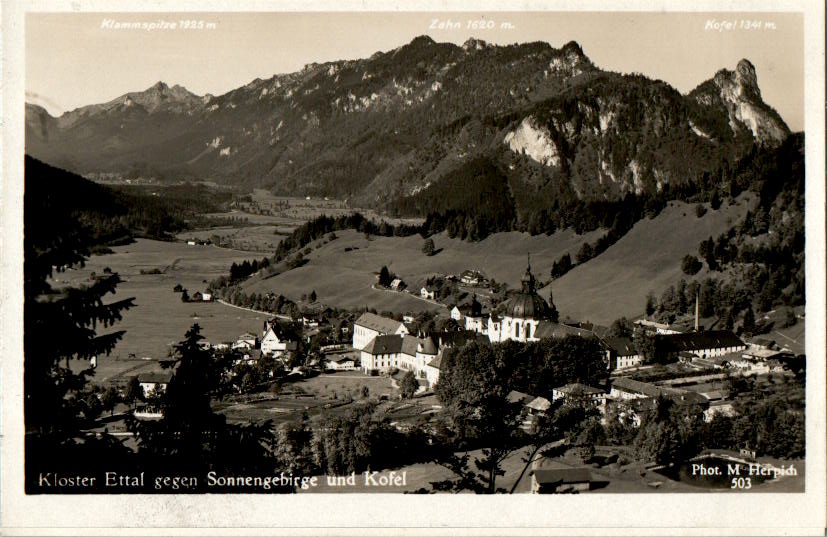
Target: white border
[644,514]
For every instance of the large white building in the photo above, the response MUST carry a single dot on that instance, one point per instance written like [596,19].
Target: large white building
[403,351]
[370,325]
[523,314]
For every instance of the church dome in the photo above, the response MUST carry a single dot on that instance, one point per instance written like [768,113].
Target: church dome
[527,304]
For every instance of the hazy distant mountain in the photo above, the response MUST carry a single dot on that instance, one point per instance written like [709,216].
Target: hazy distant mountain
[384,128]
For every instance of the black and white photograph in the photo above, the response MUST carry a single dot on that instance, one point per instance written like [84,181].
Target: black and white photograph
[307,255]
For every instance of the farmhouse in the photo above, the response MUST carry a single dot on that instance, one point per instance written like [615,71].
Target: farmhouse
[549,476]
[154,382]
[472,277]
[246,341]
[576,392]
[621,353]
[277,340]
[427,292]
[341,363]
[397,284]
[370,325]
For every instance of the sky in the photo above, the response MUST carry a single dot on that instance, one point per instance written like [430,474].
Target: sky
[74,59]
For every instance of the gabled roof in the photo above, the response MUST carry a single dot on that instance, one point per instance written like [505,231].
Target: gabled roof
[392,344]
[377,323]
[549,476]
[623,346]
[693,341]
[539,403]
[280,331]
[518,397]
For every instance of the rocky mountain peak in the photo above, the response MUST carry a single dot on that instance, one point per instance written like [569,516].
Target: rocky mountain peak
[474,44]
[746,78]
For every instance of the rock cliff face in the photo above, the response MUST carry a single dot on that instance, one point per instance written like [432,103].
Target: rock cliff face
[740,94]
[390,126]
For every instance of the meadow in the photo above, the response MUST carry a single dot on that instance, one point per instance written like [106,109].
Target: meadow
[160,319]
[611,285]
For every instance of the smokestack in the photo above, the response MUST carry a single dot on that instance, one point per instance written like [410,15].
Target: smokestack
[697,308]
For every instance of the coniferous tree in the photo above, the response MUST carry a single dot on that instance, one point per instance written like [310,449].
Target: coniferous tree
[61,329]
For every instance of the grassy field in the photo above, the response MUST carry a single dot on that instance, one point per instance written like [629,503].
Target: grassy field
[647,259]
[160,319]
[344,278]
[614,284]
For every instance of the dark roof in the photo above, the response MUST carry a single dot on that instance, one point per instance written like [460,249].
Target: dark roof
[547,329]
[436,362]
[693,341]
[428,346]
[392,344]
[155,377]
[340,359]
[459,338]
[380,324]
[623,346]
[282,332]
[550,476]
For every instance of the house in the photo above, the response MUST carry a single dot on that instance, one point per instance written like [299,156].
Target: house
[621,353]
[576,392]
[397,284]
[341,363]
[191,242]
[246,341]
[658,328]
[472,277]
[277,340]
[428,292]
[206,297]
[370,325]
[538,405]
[154,382]
[555,477]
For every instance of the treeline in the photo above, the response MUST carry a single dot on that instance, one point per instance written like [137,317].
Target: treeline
[117,215]
[759,263]
[533,368]
[470,202]
[323,225]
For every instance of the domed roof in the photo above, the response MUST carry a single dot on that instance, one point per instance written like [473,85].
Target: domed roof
[527,304]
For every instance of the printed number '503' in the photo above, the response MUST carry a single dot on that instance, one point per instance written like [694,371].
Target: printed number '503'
[741,483]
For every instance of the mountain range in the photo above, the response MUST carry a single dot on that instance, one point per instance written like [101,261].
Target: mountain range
[389,127]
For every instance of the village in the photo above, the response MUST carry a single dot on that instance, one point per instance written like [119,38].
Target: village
[269,365]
